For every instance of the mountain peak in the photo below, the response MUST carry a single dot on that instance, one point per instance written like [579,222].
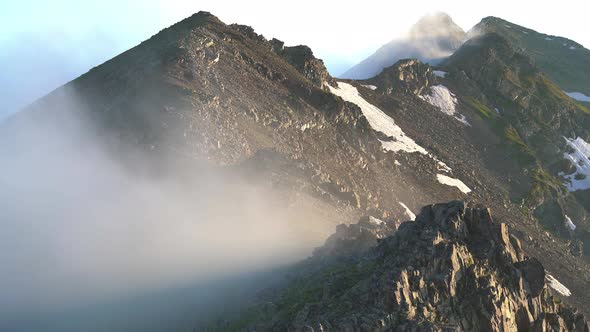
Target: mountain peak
[436,24]
[432,38]
[560,58]
[203,16]
[436,18]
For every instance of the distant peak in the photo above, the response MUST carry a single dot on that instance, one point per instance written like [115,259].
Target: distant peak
[435,25]
[436,16]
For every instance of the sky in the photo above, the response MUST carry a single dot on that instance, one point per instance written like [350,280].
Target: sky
[44,44]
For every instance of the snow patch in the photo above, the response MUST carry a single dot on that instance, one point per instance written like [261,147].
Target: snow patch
[498,111]
[383,123]
[569,224]
[507,26]
[580,158]
[440,73]
[572,47]
[547,38]
[578,96]
[557,286]
[440,96]
[408,212]
[379,121]
[370,87]
[442,166]
[214,61]
[375,221]
[449,181]
[397,163]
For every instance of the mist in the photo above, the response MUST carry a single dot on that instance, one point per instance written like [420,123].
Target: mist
[81,227]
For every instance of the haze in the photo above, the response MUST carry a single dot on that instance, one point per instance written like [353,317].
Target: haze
[84,225]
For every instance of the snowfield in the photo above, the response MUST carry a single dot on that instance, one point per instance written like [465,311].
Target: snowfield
[557,286]
[378,120]
[408,212]
[371,87]
[578,96]
[580,158]
[449,181]
[383,123]
[375,221]
[440,73]
[569,224]
[440,96]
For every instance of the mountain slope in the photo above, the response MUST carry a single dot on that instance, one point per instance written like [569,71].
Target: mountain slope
[532,116]
[564,61]
[431,39]
[205,92]
[452,269]
[224,95]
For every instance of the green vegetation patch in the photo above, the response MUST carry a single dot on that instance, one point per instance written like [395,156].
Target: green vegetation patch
[543,184]
[478,106]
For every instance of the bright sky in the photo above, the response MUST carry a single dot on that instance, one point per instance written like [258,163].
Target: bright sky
[44,44]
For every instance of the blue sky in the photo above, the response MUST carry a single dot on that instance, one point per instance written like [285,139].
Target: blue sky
[44,44]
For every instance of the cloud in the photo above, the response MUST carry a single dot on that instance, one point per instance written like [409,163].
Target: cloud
[80,226]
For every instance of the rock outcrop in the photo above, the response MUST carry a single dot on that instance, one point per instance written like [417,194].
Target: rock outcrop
[453,269]
[356,239]
[405,76]
[301,57]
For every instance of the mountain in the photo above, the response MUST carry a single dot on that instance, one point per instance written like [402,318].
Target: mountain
[486,125]
[563,60]
[452,269]
[224,95]
[431,39]
[536,120]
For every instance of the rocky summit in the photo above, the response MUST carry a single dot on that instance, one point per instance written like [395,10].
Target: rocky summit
[452,269]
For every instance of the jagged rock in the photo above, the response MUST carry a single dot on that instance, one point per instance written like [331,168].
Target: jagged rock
[405,76]
[302,58]
[453,269]
[534,274]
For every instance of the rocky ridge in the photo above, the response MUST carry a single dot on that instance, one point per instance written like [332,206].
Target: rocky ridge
[453,269]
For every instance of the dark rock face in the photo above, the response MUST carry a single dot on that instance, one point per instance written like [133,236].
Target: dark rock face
[405,76]
[548,52]
[536,106]
[302,58]
[453,269]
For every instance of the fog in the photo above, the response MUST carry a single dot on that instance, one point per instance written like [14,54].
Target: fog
[80,227]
